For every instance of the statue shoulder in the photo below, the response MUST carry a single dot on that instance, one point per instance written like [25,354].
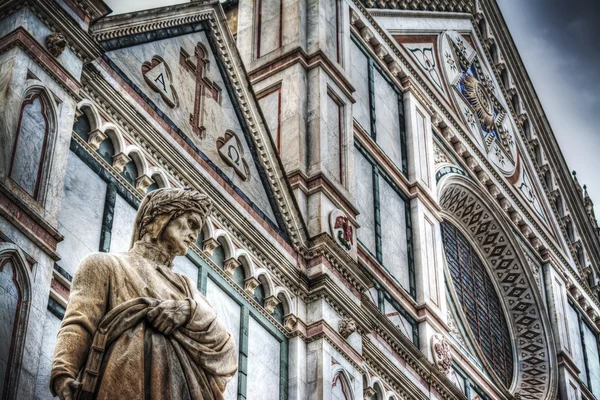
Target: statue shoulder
[98,263]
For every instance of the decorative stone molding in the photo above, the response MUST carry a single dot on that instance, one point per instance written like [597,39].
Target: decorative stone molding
[460,6]
[143,182]
[56,43]
[209,245]
[347,327]
[366,34]
[119,161]
[96,137]
[290,321]
[250,284]
[270,303]
[230,265]
[439,157]
[442,356]
[368,393]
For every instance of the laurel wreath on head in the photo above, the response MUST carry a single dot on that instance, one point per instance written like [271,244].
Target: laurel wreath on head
[169,202]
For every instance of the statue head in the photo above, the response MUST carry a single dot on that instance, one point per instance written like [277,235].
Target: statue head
[171,219]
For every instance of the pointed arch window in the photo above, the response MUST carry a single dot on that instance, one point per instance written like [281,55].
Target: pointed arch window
[480,302]
[15,292]
[31,141]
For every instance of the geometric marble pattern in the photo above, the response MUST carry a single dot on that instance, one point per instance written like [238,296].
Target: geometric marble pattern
[534,376]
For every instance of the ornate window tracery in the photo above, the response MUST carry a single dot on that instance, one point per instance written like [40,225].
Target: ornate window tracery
[480,302]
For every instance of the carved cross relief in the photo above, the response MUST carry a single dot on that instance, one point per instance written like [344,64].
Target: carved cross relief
[197,65]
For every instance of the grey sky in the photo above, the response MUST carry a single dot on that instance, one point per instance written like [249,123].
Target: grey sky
[558,42]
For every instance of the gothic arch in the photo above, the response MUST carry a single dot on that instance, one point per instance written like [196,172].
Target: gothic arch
[34,92]
[10,253]
[470,209]
[341,377]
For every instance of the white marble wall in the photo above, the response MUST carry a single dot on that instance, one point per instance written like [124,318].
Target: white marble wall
[363,195]
[263,363]
[80,218]
[229,313]
[51,327]
[122,228]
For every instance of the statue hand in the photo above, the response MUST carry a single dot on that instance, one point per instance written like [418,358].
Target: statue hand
[65,387]
[169,315]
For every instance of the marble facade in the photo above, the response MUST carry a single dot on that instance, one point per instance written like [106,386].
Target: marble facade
[312,108]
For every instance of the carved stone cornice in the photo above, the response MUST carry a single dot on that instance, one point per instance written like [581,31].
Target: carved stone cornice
[458,6]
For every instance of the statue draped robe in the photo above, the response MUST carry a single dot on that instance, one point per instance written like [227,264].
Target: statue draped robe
[195,362]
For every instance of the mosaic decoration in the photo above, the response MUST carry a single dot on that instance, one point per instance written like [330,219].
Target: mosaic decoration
[535,377]
[479,102]
[425,56]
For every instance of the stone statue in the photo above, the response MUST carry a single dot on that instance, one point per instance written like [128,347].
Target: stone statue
[134,329]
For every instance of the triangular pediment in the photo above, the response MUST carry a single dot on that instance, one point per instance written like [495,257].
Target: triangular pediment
[184,71]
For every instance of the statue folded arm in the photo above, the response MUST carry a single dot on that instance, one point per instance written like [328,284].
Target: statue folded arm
[207,339]
[87,306]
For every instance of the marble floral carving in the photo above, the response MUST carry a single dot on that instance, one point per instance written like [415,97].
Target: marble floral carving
[441,353]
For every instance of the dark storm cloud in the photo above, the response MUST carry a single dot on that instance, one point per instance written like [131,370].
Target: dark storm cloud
[559,42]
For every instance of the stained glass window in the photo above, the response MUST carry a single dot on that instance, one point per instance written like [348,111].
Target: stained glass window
[479,301]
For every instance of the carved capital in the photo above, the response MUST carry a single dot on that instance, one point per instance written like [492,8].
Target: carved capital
[346,327]
[119,161]
[250,285]
[96,137]
[270,303]
[368,393]
[209,245]
[290,321]
[230,265]
[143,182]
[56,43]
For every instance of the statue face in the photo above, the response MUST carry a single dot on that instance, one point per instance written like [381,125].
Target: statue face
[181,233]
